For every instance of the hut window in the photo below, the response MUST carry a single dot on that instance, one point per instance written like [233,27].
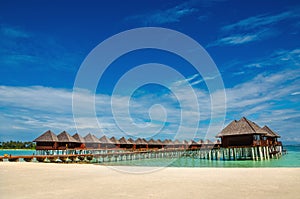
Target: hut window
[256,137]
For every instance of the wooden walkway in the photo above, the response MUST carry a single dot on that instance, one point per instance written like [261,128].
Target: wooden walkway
[100,156]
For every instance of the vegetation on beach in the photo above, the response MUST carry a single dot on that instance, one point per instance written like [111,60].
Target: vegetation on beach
[17,145]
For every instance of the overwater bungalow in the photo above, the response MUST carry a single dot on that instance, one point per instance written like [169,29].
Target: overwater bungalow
[126,144]
[242,133]
[115,142]
[177,144]
[106,143]
[46,141]
[242,139]
[247,137]
[159,142]
[92,142]
[166,144]
[66,141]
[80,141]
[153,144]
[200,142]
[193,144]
[133,143]
[141,144]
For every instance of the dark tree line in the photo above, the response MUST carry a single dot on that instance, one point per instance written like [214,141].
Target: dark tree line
[17,145]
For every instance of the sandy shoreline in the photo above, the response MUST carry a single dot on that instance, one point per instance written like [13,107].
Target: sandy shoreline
[38,180]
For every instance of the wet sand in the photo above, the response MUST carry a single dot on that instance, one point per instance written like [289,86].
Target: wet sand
[41,180]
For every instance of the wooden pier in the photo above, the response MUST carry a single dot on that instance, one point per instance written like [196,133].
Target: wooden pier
[102,156]
[240,140]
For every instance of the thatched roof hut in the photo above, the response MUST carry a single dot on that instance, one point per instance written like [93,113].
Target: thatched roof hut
[124,141]
[46,141]
[184,142]
[48,136]
[105,140]
[177,142]
[78,138]
[140,141]
[89,138]
[65,137]
[152,142]
[192,142]
[200,142]
[166,142]
[131,140]
[270,133]
[159,142]
[114,141]
[144,140]
[241,127]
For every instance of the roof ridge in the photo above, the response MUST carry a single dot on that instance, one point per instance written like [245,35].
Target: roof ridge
[248,122]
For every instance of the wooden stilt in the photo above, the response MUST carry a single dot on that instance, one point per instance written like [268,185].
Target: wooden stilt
[260,153]
[252,153]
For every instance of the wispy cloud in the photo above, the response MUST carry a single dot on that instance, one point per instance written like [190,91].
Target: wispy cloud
[280,58]
[253,29]
[170,15]
[260,21]
[268,98]
[295,93]
[236,39]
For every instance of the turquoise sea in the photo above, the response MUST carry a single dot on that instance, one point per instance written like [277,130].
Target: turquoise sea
[16,152]
[291,159]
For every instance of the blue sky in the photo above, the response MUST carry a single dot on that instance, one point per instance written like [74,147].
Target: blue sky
[255,45]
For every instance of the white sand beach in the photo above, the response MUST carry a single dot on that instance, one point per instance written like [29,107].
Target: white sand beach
[41,180]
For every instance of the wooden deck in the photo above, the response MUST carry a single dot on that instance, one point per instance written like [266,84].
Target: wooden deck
[110,155]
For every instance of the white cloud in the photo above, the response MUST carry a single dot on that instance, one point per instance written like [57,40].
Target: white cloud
[170,15]
[280,58]
[235,40]
[260,21]
[266,99]
[252,29]
[295,93]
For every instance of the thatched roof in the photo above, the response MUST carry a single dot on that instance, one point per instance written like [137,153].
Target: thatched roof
[192,142]
[176,142]
[207,142]
[185,142]
[114,140]
[166,142]
[200,141]
[270,133]
[89,138]
[65,137]
[159,142]
[152,142]
[217,142]
[131,140]
[79,138]
[241,127]
[144,140]
[140,141]
[48,136]
[105,140]
[124,141]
